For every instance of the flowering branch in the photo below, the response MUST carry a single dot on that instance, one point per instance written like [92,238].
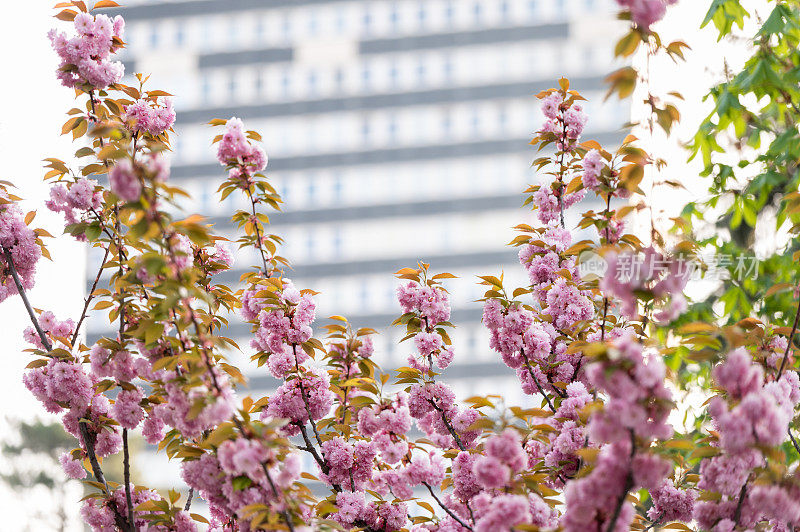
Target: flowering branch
[21,290]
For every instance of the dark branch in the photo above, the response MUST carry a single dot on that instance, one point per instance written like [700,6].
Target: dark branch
[28,307]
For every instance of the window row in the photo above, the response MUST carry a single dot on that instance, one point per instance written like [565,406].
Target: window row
[423,236]
[390,184]
[360,20]
[390,73]
[412,126]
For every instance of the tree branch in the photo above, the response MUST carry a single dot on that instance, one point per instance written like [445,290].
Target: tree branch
[445,508]
[89,298]
[284,513]
[535,381]
[612,524]
[28,307]
[126,473]
[789,342]
[97,471]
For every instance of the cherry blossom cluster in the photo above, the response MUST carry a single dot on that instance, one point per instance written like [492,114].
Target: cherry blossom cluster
[245,157]
[432,404]
[146,116]
[387,423]
[18,241]
[557,449]
[99,515]
[752,417]
[432,304]
[534,350]
[127,177]
[64,385]
[645,13]
[563,125]
[241,473]
[355,510]
[482,483]
[634,414]
[76,199]
[301,399]
[85,58]
[55,329]
[563,119]
[284,320]
[629,275]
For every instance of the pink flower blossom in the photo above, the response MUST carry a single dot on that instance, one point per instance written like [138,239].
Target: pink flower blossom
[72,468]
[124,181]
[147,116]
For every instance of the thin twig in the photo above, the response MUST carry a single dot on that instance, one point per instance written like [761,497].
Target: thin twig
[28,307]
[612,524]
[126,473]
[789,342]
[188,499]
[89,297]
[445,508]
[535,380]
[97,471]
[284,513]
[305,396]
[742,494]
[794,441]
[447,424]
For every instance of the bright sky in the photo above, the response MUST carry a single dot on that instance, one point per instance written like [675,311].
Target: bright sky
[33,107]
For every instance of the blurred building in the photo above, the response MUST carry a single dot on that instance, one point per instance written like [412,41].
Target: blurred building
[396,131]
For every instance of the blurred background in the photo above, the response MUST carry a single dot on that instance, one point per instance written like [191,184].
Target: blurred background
[397,131]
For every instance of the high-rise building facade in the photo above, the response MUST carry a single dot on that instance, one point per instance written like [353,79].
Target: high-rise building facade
[397,131]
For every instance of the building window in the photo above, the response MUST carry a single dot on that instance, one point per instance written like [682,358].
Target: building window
[367,23]
[337,243]
[421,72]
[477,12]
[337,187]
[338,79]
[392,128]
[285,83]
[533,7]
[394,18]
[393,75]
[340,22]
[313,24]
[476,123]
[205,89]
[421,15]
[447,124]
[286,27]
[312,83]
[449,13]
[310,248]
[180,36]
[365,78]
[259,83]
[365,130]
[447,67]
[259,30]
[505,10]
[154,37]
[233,32]
[232,85]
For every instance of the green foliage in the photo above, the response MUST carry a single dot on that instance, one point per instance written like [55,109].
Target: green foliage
[750,148]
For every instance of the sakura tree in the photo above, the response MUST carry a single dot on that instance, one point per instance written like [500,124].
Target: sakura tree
[614,445]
